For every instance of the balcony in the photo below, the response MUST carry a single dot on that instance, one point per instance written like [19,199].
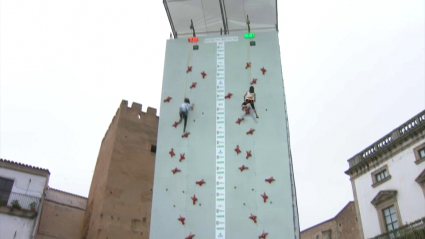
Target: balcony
[414,230]
[20,205]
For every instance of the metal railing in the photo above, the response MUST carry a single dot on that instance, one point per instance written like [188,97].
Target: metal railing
[414,230]
[22,202]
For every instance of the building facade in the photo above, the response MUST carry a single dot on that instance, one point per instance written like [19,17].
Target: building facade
[120,197]
[62,215]
[342,226]
[388,179]
[22,190]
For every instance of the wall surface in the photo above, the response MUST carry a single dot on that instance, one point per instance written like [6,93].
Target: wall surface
[410,196]
[62,216]
[119,202]
[229,197]
[25,184]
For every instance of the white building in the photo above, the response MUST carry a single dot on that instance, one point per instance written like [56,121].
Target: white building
[388,180]
[21,196]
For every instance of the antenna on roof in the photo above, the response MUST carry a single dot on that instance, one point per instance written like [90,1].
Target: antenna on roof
[191,27]
[248,22]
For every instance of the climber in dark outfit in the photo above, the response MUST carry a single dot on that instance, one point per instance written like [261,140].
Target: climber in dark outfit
[184,111]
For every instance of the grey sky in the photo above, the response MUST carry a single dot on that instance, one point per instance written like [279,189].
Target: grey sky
[353,71]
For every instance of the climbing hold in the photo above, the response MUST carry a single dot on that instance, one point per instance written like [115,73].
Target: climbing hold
[228,96]
[181,219]
[263,236]
[248,65]
[167,99]
[172,152]
[193,85]
[252,217]
[189,68]
[175,124]
[176,170]
[270,180]
[251,131]
[194,199]
[237,149]
[200,182]
[264,196]
[181,157]
[185,135]
[190,236]
[247,111]
[203,74]
[242,168]
[239,121]
[263,70]
[248,154]
[254,81]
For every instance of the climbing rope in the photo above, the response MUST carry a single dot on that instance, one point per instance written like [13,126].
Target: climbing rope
[189,53]
[249,60]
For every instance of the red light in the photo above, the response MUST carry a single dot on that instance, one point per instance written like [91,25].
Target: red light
[193,39]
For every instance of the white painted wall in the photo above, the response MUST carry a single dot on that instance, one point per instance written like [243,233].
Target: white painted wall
[9,224]
[410,197]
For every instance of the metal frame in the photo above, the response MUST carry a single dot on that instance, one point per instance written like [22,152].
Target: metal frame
[169,18]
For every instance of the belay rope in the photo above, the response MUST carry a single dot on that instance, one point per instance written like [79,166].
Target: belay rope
[189,52]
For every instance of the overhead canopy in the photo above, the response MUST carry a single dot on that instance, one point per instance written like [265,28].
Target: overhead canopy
[209,16]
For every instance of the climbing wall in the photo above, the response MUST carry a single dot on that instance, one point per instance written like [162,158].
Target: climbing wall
[230,175]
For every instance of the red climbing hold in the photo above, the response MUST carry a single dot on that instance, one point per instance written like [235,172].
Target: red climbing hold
[175,124]
[248,154]
[238,151]
[181,157]
[189,68]
[247,111]
[190,236]
[228,96]
[253,217]
[181,219]
[172,152]
[254,81]
[264,196]
[176,170]
[251,131]
[193,85]
[194,199]
[248,65]
[263,236]
[200,182]
[239,121]
[263,70]
[185,135]
[203,74]
[270,180]
[242,168]
[167,99]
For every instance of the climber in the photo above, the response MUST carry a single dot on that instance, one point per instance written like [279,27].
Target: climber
[184,111]
[250,98]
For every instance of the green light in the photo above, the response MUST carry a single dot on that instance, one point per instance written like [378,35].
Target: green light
[249,35]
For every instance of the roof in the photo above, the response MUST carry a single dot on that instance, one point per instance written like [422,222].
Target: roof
[350,202]
[209,16]
[23,165]
[67,193]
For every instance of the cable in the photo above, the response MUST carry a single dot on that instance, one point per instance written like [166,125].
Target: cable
[187,66]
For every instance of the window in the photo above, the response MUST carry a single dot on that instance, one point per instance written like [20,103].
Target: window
[390,216]
[5,189]
[419,153]
[386,206]
[153,148]
[421,180]
[380,176]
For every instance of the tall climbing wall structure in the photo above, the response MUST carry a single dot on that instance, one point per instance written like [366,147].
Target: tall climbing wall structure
[230,174]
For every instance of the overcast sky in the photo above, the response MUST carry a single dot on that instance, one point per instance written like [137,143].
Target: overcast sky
[353,71]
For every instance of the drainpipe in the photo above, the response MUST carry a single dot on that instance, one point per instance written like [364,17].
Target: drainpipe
[37,220]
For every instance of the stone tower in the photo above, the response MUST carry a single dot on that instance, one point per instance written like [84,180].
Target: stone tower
[120,197]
